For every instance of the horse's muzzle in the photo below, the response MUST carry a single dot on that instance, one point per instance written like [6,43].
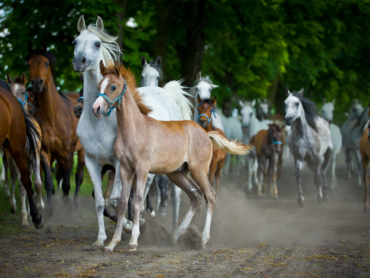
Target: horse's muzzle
[244,128]
[80,63]
[37,85]
[288,120]
[77,110]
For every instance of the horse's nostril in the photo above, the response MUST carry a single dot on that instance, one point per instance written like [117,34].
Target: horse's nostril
[41,81]
[83,60]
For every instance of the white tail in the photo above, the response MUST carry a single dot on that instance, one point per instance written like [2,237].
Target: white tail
[232,147]
[175,89]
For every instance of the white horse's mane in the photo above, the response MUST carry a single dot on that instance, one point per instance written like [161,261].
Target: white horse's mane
[110,48]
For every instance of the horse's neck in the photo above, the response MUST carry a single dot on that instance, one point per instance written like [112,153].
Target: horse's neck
[129,117]
[209,127]
[48,101]
[254,125]
[301,125]
[91,81]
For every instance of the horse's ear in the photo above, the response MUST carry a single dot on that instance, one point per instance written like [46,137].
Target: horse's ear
[253,103]
[199,75]
[8,78]
[347,115]
[287,92]
[158,61]
[102,67]
[214,101]
[300,93]
[29,46]
[99,23]
[213,86]
[241,103]
[81,24]
[333,102]
[23,79]
[143,61]
[117,68]
[43,46]
[264,101]
[324,101]
[199,100]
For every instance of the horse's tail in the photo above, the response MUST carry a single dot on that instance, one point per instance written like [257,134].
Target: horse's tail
[175,89]
[33,135]
[232,147]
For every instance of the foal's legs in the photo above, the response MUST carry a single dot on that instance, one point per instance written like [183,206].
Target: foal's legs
[176,200]
[126,176]
[79,175]
[298,174]
[195,194]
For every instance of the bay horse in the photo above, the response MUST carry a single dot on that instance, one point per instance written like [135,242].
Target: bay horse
[268,144]
[54,113]
[205,110]
[16,130]
[365,159]
[309,140]
[145,145]
[92,45]
[18,89]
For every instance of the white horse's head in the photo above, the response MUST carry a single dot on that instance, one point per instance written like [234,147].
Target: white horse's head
[152,72]
[93,45]
[293,106]
[328,110]
[263,109]
[356,110]
[203,87]
[247,114]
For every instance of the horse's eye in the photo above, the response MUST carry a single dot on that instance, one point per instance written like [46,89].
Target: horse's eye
[113,87]
[196,89]
[142,77]
[97,44]
[296,104]
[47,64]
[158,78]
[74,42]
[24,92]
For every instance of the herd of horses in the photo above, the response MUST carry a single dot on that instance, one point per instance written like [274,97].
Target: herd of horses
[146,136]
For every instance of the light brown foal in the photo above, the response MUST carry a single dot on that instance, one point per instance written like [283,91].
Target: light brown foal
[205,109]
[145,145]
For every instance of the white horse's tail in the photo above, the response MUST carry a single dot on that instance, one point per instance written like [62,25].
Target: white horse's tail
[175,89]
[232,147]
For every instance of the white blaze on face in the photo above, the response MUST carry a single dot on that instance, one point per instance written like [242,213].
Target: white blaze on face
[292,107]
[100,101]
[247,113]
[150,76]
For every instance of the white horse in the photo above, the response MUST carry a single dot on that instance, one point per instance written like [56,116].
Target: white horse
[309,140]
[152,73]
[98,135]
[353,115]
[233,131]
[203,88]
[327,115]
[251,126]
[262,111]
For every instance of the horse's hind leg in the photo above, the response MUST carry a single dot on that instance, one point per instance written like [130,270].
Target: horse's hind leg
[332,170]
[4,175]
[79,176]
[109,186]
[13,179]
[24,213]
[182,180]
[328,156]
[212,170]
[220,164]
[298,175]
[176,200]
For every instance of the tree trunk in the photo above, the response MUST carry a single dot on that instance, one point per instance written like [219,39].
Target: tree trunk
[121,21]
[165,11]
[191,56]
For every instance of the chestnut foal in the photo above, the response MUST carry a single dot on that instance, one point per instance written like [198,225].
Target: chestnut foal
[145,145]
[206,109]
[268,143]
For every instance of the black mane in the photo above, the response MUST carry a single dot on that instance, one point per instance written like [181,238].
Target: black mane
[47,54]
[309,108]
[157,67]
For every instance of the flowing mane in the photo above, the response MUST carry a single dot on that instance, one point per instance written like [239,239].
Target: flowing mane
[110,48]
[309,108]
[115,68]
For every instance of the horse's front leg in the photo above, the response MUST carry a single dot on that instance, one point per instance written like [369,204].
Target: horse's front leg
[4,176]
[38,181]
[141,178]
[79,176]
[45,162]
[66,165]
[328,157]
[94,169]
[127,175]
[298,175]
[272,177]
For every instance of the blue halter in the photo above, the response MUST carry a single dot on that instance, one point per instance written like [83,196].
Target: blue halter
[80,99]
[208,119]
[111,102]
[23,103]
[275,142]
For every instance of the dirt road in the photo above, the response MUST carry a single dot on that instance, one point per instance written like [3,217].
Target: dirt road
[249,237]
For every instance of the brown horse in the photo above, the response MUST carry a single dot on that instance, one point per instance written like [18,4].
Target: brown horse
[18,89]
[205,109]
[54,113]
[268,144]
[15,129]
[365,158]
[145,145]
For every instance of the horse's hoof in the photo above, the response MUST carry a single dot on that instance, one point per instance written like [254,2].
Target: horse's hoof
[276,197]
[25,225]
[98,243]
[133,247]
[40,225]
[13,209]
[128,227]
[366,209]
[107,250]
[151,213]
[300,202]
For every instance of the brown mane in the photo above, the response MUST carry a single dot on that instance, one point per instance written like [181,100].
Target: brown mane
[118,69]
